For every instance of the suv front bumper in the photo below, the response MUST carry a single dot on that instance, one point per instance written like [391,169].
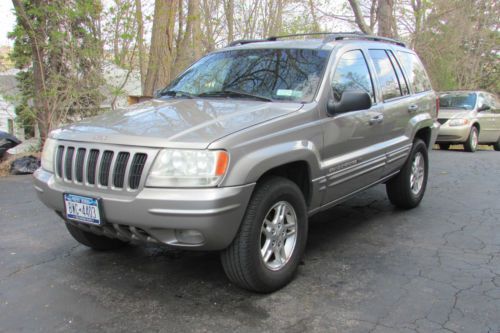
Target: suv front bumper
[450,134]
[198,218]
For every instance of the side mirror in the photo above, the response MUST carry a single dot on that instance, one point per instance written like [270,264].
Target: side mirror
[484,107]
[351,100]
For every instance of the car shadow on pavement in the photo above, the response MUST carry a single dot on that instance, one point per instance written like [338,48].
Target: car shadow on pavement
[198,277]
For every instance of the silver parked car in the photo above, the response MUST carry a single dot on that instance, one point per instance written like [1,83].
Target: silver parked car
[243,147]
[469,118]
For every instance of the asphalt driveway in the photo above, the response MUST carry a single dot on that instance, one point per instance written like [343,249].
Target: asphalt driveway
[368,268]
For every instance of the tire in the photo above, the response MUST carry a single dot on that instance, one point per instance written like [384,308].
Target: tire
[496,146]
[243,262]
[444,146]
[96,242]
[472,141]
[400,191]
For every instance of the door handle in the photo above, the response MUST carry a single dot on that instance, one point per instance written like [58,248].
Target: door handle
[377,119]
[413,108]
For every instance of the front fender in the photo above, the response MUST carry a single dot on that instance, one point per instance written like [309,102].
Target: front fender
[250,167]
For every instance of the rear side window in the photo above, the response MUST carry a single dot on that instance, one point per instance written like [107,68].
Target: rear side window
[387,78]
[401,78]
[352,73]
[416,72]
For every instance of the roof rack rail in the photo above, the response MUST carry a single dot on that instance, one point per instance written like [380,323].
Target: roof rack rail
[246,41]
[359,35]
[274,38]
[329,37]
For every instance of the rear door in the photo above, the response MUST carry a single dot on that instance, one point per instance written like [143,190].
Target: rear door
[395,95]
[421,104]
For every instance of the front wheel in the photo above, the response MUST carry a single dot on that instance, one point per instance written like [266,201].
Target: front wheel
[472,142]
[407,189]
[272,237]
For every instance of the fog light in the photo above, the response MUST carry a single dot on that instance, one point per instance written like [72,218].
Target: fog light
[189,236]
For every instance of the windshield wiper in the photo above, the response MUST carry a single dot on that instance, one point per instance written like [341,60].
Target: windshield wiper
[176,93]
[232,93]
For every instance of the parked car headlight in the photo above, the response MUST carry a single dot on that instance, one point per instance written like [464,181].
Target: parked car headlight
[458,122]
[188,168]
[48,155]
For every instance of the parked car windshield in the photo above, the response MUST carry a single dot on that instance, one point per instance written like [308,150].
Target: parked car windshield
[267,74]
[464,101]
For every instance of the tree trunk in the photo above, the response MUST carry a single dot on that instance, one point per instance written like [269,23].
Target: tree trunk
[189,48]
[160,55]
[385,18]
[209,28]
[315,23]
[358,17]
[229,11]
[140,43]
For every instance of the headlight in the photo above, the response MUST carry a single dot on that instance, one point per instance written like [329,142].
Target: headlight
[188,168]
[48,155]
[458,122]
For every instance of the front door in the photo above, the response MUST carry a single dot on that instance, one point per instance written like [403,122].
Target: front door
[353,153]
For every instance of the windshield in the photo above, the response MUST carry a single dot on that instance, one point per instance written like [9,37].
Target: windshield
[266,74]
[465,101]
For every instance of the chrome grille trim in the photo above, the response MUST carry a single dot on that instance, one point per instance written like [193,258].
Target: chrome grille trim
[103,167]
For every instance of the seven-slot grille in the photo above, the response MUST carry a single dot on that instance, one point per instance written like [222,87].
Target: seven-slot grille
[119,169]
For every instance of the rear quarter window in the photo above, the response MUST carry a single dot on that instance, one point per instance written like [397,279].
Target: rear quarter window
[417,76]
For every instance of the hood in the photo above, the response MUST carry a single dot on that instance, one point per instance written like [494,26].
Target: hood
[176,123]
[456,113]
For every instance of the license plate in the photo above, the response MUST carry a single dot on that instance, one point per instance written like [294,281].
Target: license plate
[82,209]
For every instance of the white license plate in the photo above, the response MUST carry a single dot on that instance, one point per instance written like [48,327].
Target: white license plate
[82,209]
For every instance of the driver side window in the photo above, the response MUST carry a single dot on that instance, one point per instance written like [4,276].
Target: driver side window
[352,73]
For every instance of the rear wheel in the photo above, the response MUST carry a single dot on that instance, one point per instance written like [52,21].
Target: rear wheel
[268,248]
[472,142]
[444,146]
[96,242]
[407,189]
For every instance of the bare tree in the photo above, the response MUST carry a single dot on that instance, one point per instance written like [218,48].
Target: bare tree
[140,43]
[359,18]
[229,11]
[161,52]
[386,22]
[189,48]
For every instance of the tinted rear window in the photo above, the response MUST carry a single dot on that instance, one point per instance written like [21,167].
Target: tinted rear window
[386,75]
[416,72]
